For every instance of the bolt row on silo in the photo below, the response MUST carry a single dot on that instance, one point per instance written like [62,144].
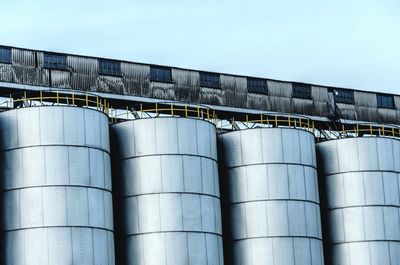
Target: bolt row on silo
[170,191]
[272,197]
[362,177]
[56,181]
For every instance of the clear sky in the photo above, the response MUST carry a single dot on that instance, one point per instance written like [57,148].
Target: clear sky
[347,43]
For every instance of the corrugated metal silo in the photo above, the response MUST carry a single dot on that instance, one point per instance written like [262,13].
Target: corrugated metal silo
[57,202]
[361,177]
[272,197]
[171,207]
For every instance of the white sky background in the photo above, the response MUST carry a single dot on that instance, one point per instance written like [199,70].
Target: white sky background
[346,43]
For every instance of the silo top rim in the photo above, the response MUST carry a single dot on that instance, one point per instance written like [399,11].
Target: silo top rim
[54,106]
[362,137]
[268,128]
[166,117]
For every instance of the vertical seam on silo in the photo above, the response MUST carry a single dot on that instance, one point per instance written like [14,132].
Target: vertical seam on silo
[160,217]
[294,252]
[218,249]
[161,173]
[100,131]
[245,169]
[187,246]
[183,224]
[104,168]
[390,255]
[384,226]
[309,245]
[305,186]
[209,142]
[201,159]
[364,223]
[72,241]
[201,213]
[164,235]
[251,251]
[376,144]
[362,209]
[103,193]
[92,231]
[205,245]
[88,205]
[181,156]
[273,249]
[215,215]
[344,192]
[108,248]
[369,252]
[88,149]
[364,187]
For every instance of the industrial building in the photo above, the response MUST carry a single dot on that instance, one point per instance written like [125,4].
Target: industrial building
[117,162]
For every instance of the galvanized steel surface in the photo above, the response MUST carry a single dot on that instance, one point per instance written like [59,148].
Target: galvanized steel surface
[57,203]
[274,212]
[361,178]
[171,207]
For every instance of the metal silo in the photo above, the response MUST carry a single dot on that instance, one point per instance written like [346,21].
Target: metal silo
[361,177]
[272,197]
[170,205]
[56,181]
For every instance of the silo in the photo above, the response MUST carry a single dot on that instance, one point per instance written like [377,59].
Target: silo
[170,197]
[271,197]
[56,181]
[361,179]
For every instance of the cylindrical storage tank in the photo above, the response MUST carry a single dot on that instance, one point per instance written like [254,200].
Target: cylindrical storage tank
[56,180]
[272,197]
[361,179]
[171,206]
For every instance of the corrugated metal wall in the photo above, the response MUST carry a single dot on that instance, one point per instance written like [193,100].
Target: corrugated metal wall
[82,74]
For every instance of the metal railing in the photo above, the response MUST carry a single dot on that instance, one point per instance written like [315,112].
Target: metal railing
[234,121]
[360,129]
[58,98]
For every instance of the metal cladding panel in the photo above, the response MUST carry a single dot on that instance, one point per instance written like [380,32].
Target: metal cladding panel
[274,211]
[170,192]
[288,251]
[362,199]
[57,186]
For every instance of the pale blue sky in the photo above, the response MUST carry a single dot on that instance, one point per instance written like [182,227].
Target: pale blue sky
[349,43]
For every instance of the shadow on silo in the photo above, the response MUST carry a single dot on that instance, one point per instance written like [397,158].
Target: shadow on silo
[323,207]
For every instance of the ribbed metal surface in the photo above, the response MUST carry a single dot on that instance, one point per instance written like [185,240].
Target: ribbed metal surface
[361,178]
[171,207]
[57,203]
[273,202]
